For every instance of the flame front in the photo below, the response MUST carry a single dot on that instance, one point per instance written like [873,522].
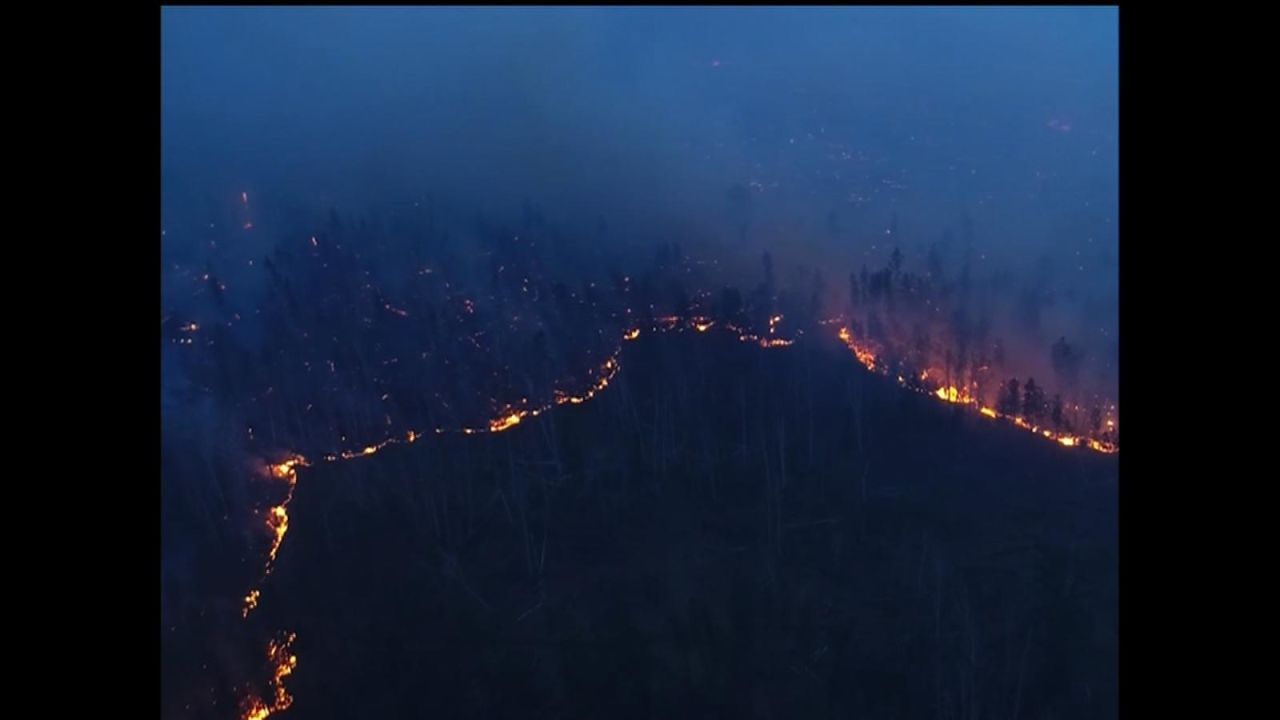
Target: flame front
[277,521]
[279,652]
[502,423]
[961,396]
[283,662]
[250,602]
[278,516]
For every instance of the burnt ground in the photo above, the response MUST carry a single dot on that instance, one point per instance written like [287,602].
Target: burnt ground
[724,532]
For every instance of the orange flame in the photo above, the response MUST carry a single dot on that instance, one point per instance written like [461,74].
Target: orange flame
[502,423]
[961,396]
[278,517]
[250,602]
[283,663]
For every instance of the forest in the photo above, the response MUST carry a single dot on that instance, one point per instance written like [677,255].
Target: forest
[685,497]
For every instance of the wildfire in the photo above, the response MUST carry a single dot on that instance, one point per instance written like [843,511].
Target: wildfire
[667,323]
[960,396]
[283,663]
[865,356]
[609,369]
[277,522]
[764,342]
[952,394]
[279,653]
[250,602]
[774,342]
[502,423]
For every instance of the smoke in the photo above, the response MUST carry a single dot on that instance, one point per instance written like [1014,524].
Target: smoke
[980,144]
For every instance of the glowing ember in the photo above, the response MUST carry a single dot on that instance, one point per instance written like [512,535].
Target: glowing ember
[250,602]
[283,662]
[952,394]
[864,356]
[277,521]
[278,516]
[774,342]
[960,396]
[503,423]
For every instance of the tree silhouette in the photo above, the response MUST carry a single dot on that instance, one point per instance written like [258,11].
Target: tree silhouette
[935,263]
[731,305]
[1057,416]
[1009,401]
[1034,405]
[1066,362]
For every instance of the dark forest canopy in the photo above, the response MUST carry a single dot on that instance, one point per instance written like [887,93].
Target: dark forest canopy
[378,223]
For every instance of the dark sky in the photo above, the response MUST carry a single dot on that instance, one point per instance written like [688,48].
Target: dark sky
[838,119]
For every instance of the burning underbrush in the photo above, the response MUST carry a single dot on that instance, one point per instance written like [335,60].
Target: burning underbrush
[717,514]
[335,364]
